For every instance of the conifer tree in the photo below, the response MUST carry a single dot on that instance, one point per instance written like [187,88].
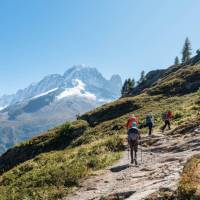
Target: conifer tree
[131,84]
[124,88]
[186,52]
[176,61]
[127,87]
[142,77]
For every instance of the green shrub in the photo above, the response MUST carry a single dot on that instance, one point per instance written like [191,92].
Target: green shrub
[188,187]
[115,143]
[195,107]
[178,115]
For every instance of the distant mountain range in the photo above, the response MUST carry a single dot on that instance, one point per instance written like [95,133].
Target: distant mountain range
[53,100]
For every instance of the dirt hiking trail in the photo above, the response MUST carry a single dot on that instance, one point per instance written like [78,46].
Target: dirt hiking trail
[160,167]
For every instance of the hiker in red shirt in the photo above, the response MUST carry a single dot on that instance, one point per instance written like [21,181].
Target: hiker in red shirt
[132,118]
[167,117]
[133,136]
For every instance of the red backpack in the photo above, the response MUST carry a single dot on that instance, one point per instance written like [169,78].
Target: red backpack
[169,115]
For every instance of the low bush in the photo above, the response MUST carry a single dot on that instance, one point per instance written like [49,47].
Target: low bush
[189,185]
[178,115]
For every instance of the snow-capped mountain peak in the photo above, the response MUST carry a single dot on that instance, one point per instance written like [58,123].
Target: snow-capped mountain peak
[53,100]
[90,79]
[78,90]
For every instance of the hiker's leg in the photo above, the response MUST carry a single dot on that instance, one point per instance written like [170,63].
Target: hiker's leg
[169,125]
[149,133]
[164,126]
[135,150]
[131,147]
[150,129]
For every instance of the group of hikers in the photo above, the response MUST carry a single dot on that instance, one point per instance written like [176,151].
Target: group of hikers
[133,125]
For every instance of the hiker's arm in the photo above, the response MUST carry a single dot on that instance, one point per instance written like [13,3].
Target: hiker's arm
[140,126]
[126,125]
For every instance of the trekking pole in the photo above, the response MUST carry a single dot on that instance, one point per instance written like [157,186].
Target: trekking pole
[128,152]
[141,149]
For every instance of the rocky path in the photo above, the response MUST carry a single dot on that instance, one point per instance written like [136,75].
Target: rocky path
[160,167]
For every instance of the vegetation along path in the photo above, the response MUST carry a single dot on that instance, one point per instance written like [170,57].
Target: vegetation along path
[160,167]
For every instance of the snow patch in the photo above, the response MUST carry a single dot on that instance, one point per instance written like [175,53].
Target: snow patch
[44,93]
[105,100]
[3,107]
[77,90]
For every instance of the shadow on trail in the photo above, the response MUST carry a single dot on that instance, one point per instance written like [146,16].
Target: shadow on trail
[121,195]
[119,168]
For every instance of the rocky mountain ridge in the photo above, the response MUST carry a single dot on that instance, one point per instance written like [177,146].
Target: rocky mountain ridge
[155,77]
[91,77]
[52,101]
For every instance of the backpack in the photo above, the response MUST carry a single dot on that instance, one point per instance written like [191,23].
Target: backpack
[169,115]
[133,135]
[164,116]
[149,119]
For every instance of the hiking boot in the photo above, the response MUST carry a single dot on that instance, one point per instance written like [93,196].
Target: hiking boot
[131,161]
[136,162]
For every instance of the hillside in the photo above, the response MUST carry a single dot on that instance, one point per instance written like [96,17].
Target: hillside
[52,101]
[55,163]
[170,80]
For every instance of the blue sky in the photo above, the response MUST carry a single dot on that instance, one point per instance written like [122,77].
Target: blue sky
[40,37]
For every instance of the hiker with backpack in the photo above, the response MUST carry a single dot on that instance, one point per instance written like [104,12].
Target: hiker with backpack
[132,118]
[167,117]
[133,141]
[133,136]
[149,122]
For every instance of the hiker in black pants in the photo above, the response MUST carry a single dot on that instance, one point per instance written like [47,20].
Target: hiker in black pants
[167,118]
[133,147]
[167,123]
[133,141]
[149,123]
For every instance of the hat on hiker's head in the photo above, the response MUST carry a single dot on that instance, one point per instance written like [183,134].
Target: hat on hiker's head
[134,125]
[132,116]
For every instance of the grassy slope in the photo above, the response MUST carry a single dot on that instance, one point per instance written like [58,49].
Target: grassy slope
[181,81]
[51,165]
[189,187]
